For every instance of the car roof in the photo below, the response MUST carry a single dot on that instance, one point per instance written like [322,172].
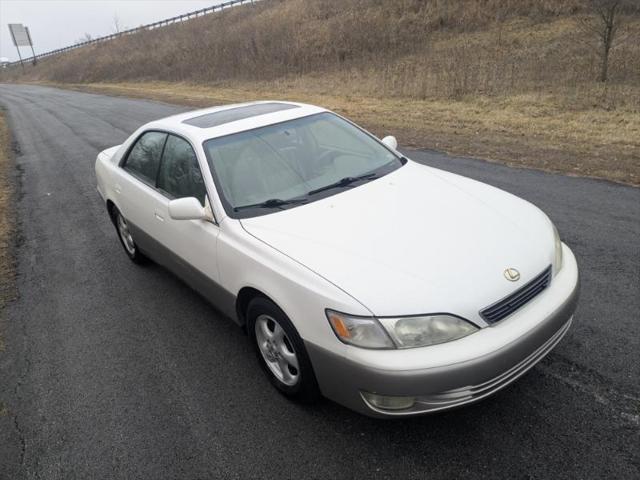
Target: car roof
[208,123]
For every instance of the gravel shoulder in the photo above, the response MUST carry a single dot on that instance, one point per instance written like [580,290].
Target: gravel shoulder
[8,243]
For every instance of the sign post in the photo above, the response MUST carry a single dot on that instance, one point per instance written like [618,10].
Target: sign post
[21,38]
[33,52]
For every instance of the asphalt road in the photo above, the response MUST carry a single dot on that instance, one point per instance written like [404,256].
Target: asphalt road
[115,371]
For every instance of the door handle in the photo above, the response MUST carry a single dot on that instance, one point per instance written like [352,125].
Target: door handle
[159,217]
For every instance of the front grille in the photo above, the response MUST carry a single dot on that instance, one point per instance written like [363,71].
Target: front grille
[517,299]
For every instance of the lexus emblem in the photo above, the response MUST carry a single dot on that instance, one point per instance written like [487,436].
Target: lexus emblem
[512,274]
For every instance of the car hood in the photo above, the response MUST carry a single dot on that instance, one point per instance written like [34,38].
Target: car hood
[419,240]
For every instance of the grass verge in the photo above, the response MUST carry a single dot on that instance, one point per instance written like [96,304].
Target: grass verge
[542,130]
[7,221]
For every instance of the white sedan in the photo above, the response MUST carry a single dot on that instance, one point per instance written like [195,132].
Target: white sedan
[387,286]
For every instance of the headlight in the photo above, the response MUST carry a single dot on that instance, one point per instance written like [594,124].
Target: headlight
[557,257]
[401,332]
[421,331]
[360,331]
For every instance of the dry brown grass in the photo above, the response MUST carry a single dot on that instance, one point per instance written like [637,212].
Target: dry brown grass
[7,290]
[410,48]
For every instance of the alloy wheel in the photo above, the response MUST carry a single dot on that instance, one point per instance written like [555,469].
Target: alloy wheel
[125,235]
[277,350]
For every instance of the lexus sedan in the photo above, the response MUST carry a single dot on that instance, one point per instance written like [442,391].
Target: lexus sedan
[388,286]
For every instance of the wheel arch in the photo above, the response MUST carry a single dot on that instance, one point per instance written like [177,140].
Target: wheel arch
[111,208]
[244,297]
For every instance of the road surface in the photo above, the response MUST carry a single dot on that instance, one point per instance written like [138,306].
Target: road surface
[114,371]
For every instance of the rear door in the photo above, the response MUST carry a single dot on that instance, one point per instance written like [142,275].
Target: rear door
[135,187]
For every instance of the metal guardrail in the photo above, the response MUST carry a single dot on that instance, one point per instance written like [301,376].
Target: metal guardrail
[151,26]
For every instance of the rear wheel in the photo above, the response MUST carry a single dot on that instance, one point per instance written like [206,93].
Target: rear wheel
[126,239]
[281,351]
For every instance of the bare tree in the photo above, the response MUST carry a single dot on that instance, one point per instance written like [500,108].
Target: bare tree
[85,38]
[117,24]
[603,25]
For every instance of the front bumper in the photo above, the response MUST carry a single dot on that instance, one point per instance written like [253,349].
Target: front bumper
[460,372]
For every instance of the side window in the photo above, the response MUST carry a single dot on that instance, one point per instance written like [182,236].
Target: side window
[180,174]
[144,158]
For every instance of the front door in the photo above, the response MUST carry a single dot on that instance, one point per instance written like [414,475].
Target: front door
[191,243]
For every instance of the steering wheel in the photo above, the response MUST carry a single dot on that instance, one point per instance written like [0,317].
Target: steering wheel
[323,159]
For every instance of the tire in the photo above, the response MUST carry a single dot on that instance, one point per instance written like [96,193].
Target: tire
[126,240]
[281,352]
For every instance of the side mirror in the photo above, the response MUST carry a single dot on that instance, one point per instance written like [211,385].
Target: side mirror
[391,142]
[188,208]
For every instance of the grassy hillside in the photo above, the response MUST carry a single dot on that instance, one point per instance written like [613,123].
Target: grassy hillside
[512,80]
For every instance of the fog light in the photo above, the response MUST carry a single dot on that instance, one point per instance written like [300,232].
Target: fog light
[387,402]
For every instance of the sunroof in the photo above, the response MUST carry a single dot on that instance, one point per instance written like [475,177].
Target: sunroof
[239,113]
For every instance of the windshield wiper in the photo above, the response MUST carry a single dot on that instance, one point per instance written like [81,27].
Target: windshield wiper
[271,203]
[343,182]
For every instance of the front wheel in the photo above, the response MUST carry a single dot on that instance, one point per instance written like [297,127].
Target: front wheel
[281,351]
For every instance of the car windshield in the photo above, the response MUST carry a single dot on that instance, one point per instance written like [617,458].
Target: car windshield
[294,162]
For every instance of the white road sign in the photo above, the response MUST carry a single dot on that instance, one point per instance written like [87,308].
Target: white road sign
[20,35]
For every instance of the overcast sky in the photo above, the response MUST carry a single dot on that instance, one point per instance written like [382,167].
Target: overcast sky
[58,23]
